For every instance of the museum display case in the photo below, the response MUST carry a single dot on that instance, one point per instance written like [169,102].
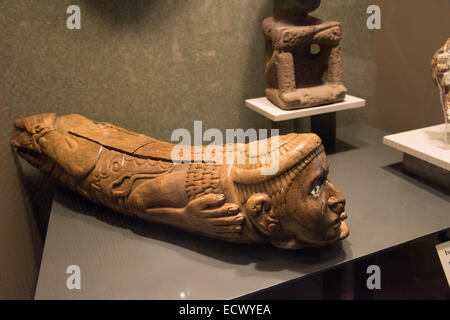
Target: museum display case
[216,150]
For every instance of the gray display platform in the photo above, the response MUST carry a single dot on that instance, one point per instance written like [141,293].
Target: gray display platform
[123,258]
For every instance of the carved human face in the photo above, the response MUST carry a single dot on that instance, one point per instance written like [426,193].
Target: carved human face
[315,209]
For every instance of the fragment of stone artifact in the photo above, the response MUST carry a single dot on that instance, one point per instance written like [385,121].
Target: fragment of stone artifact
[303,57]
[440,72]
[293,207]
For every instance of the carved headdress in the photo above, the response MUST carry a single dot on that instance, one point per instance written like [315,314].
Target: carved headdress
[292,152]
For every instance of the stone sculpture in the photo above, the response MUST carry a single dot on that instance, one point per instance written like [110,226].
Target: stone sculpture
[440,72]
[294,208]
[303,57]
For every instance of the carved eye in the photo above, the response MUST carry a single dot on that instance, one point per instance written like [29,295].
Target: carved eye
[315,190]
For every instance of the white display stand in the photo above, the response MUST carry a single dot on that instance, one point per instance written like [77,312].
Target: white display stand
[266,108]
[427,144]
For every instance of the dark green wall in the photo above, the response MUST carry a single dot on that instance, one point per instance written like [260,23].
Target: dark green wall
[153,66]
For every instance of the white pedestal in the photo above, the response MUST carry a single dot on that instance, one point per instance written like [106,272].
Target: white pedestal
[266,108]
[426,144]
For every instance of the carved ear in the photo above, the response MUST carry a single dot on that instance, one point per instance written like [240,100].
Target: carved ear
[259,210]
[257,203]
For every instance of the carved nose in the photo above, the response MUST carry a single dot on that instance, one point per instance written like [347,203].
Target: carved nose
[336,199]
[338,207]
